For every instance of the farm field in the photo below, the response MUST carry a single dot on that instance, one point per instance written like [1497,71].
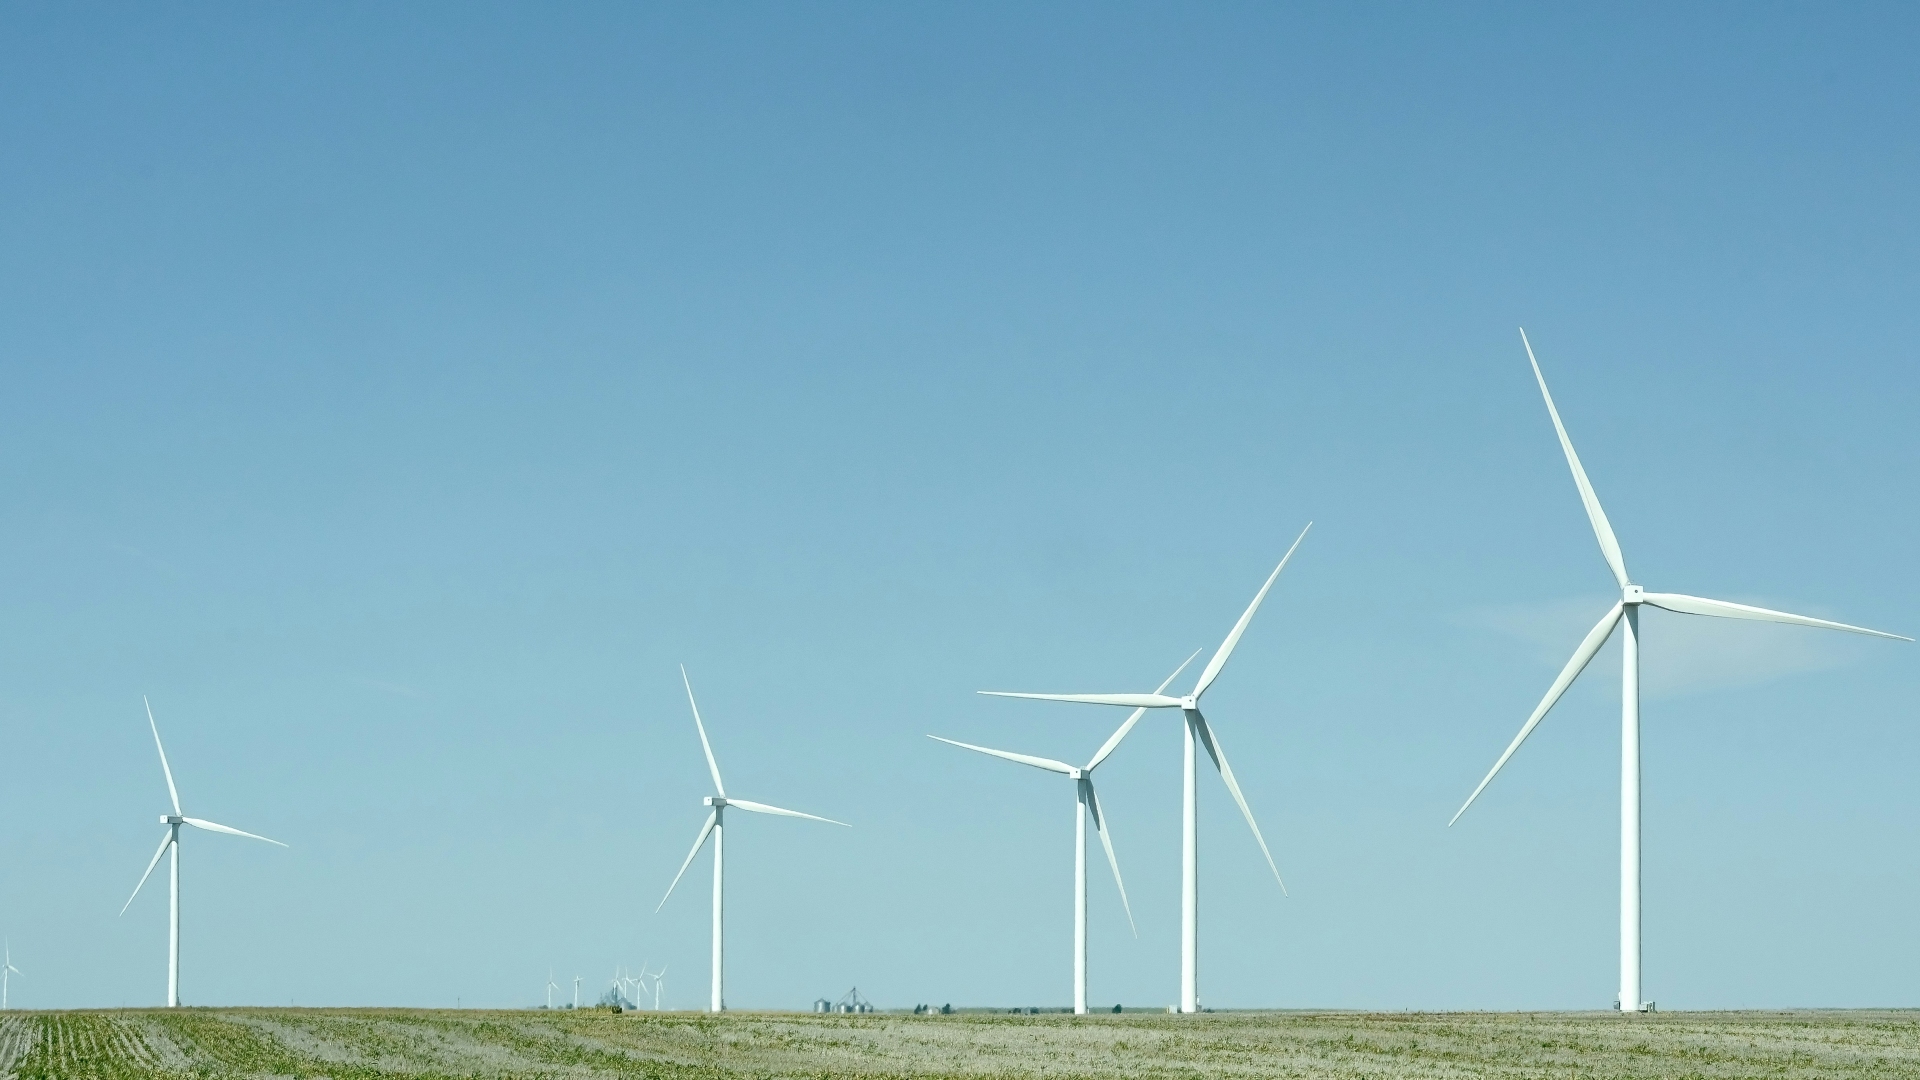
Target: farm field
[361,1044]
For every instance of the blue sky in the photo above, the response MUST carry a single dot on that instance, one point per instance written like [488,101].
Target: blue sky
[398,396]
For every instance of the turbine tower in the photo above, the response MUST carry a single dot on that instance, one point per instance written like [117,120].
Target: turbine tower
[7,970]
[1198,734]
[171,843]
[1085,802]
[1626,613]
[716,826]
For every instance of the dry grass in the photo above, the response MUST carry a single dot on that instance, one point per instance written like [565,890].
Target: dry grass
[365,1044]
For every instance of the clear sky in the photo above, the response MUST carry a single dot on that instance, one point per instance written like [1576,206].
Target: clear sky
[397,395]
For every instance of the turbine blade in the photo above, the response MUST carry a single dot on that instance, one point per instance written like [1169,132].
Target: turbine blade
[1113,741]
[164,841]
[1602,530]
[1037,762]
[172,792]
[1125,701]
[1176,671]
[1590,645]
[763,808]
[1219,755]
[1225,651]
[214,826]
[712,765]
[697,842]
[1100,824]
[1698,605]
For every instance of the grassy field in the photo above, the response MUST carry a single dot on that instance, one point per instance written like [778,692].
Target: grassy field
[361,1044]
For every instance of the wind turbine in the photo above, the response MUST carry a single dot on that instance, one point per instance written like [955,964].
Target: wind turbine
[1085,802]
[621,990]
[659,980]
[576,991]
[551,987]
[636,985]
[715,825]
[1199,733]
[171,843]
[1626,612]
[7,970]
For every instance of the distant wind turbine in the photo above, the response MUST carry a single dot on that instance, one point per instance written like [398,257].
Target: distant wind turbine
[715,825]
[171,843]
[1626,613]
[1085,802]
[576,991]
[7,970]
[635,985]
[551,987]
[659,980]
[1199,733]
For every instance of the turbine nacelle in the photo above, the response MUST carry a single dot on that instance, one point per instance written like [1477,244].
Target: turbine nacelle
[715,801]
[172,819]
[1633,594]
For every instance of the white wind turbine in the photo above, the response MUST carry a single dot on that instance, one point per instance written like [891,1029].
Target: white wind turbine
[551,987]
[7,970]
[638,984]
[715,825]
[659,980]
[171,842]
[1199,733]
[1085,802]
[623,985]
[1626,612]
